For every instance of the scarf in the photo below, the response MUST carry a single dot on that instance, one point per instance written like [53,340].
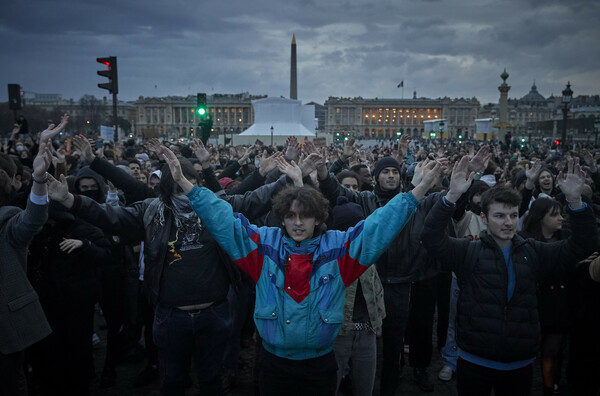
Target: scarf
[385,195]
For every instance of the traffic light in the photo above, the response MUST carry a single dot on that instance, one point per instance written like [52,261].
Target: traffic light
[204,122]
[201,108]
[14,96]
[557,142]
[432,135]
[112,85]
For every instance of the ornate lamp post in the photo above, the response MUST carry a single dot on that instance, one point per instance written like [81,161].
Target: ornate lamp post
[567,95]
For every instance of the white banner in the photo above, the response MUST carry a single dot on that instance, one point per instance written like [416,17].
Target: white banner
[107,133]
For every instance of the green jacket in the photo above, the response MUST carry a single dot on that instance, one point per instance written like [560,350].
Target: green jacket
[373,292]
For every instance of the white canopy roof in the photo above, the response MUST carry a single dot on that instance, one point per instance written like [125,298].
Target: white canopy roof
[288,117]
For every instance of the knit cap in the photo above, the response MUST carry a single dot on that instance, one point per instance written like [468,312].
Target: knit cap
[385,162]
[345,214]
[224,181]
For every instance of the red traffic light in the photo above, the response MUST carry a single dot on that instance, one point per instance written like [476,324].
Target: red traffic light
[112,85]
[104,61]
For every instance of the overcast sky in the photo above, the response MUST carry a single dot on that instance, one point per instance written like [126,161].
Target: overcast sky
[345,47]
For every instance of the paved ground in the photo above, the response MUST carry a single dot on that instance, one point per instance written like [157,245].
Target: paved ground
[127,372]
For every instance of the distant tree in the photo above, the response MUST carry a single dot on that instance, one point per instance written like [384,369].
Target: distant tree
[124,125]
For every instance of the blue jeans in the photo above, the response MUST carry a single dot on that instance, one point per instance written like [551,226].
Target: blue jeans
[450,351]
[180,337]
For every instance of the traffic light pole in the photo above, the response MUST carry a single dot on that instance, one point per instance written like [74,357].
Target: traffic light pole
[115,123]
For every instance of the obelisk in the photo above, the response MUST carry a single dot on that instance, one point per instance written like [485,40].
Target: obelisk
[293,73]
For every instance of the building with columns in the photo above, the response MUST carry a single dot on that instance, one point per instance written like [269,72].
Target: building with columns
[521,116]
[383,118]
[174,116]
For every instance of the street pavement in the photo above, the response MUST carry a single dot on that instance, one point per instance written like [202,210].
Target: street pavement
[126,373]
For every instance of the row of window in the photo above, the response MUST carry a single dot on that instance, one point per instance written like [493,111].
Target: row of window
[185,115]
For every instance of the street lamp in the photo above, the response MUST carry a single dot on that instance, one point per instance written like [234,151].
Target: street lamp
[567,95]
[271,135]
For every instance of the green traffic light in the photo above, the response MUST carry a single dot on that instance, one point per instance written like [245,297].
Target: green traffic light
[201,111]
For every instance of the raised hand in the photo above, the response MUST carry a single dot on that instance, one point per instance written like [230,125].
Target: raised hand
[58,190]
[51,132]
[309,148]
[461,179]
[431,173]
[532,172]
[480,160]
[290,169]
[153,145]
[589,160]
[418,174]
[571,183]
[292,151]
[348,150]
[69,245]
[82,145]
[42,160]
[244,159]
[200,152]
[111,187]
[403,147]
[267,163]
[239,152]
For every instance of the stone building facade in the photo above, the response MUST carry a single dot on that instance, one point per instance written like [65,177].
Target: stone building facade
[383,118]
[174,116]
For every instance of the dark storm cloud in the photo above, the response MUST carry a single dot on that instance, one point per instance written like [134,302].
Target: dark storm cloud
[345,47]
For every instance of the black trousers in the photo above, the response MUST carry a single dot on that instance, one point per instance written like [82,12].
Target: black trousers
[315,377]
[475,380]
[11,374]
[396,297]
[423,297]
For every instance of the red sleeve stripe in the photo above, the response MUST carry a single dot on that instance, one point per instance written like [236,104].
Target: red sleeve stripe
[252,264]
[350,269]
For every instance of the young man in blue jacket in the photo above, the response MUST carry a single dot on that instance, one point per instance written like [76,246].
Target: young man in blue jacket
[497,323]
[301,274]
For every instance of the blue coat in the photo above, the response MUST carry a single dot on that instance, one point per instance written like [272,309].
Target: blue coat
[300,287]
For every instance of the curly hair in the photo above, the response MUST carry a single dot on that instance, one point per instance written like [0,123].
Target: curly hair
[311,202]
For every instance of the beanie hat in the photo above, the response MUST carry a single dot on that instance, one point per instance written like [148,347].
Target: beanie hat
[224,181]
[345,214]
[157,173]
[490,180]
[385,162]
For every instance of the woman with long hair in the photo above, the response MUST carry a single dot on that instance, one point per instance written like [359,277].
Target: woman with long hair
[544,223]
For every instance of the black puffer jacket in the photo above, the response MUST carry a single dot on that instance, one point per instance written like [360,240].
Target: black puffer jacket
[488,325]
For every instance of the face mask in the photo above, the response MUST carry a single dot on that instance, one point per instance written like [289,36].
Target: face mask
[93,194]
[19,148]
[181,203]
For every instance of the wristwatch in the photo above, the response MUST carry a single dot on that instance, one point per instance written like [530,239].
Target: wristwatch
[44,180]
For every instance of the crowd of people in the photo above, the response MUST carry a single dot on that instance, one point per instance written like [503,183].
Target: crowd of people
[314,253]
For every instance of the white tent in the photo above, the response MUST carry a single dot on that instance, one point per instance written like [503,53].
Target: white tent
[287,117]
